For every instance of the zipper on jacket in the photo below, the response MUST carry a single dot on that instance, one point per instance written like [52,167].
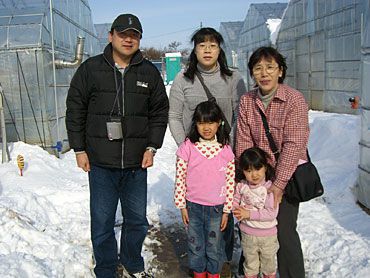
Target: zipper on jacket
[123,97]
[123,107]
[123,113]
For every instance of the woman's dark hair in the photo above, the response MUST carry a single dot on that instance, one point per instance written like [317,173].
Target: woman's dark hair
[268,53]
[254,158]
[202,35]
[208,111]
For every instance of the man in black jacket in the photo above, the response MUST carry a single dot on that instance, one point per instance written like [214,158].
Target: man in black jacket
[117,111]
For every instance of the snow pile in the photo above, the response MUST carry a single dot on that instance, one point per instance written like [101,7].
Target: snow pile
[44,215]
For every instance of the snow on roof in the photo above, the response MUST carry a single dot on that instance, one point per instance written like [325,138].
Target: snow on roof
[273,24]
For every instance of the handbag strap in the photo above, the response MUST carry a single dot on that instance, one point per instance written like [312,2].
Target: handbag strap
[272,144]
[209,94]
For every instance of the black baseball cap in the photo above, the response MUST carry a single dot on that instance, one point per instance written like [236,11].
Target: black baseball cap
[126,22]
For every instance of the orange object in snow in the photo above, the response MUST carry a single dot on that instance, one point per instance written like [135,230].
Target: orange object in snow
[20,162]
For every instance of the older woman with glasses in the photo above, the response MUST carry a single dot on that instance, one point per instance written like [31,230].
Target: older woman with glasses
[208,60]
[286,112]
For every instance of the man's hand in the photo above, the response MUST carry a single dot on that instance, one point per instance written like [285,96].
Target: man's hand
[148,159]
[83,161]
[185,216]
[224,218]
[241,213]
[278,194]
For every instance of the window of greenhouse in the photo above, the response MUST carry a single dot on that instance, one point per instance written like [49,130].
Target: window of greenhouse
[24,35]
[26,19]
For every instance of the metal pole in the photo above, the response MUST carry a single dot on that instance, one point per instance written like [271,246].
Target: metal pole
[54,74]
[5,153]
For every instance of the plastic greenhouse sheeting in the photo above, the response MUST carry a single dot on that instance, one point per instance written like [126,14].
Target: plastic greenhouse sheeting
[230,32]
[255,33]
[102,33]
[35,90]
[321,40]
[363,186]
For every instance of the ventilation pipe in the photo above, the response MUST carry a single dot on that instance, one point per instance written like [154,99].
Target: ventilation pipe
[78,56]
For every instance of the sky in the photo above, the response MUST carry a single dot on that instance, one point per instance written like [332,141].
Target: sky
[165,21]
[44,214]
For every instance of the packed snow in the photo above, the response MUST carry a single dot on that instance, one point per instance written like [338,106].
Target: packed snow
[273,24]
[44,214]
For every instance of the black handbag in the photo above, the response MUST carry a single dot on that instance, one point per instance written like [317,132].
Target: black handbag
[305,183]
[211,98]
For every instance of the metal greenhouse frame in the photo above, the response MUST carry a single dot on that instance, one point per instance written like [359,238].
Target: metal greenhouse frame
[41,44]
[321,40]
[255,33]
[230,32]
[363,186]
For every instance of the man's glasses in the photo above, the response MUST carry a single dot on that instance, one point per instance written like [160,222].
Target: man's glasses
[269,69]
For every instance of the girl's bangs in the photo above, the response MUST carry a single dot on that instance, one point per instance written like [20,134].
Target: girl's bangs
[207,117]
[253,165]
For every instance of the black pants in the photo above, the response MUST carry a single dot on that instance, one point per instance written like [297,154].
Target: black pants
[229,237]
[290,257]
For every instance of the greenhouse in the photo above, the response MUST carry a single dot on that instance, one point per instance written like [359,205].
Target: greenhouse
[102,30]
[41,44]
[321,40]
[256,32]
[230,32]
[363,186]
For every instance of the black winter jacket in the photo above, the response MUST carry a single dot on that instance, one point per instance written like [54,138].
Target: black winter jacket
[91,98]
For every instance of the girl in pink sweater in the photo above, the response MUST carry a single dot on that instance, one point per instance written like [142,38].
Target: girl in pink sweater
[204,189]
[254,208]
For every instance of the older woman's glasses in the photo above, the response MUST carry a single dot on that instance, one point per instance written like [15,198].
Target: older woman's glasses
[269,69]
[204,46]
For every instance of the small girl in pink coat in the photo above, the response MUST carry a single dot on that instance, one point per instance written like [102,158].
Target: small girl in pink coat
[253,206]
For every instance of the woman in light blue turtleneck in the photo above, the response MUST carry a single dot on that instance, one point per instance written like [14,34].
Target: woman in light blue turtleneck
[226,85]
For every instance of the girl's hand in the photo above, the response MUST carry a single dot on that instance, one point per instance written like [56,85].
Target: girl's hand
[278,194]
[185,216]
[224,218]
[241,213]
